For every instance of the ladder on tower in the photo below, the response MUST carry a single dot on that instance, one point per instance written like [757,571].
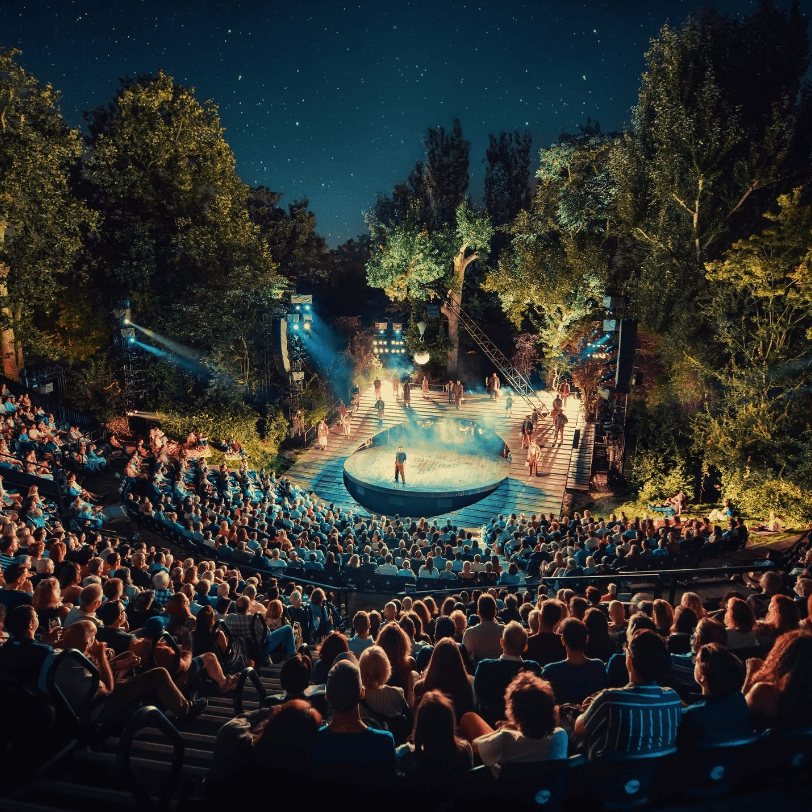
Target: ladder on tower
[514,377]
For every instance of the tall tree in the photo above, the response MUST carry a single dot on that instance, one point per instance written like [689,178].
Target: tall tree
[41,220]
[705,154]
[507,176]
[176,224]
[427,230]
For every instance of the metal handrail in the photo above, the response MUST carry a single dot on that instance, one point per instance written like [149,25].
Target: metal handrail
[144,717]
[52,686]
[245,675]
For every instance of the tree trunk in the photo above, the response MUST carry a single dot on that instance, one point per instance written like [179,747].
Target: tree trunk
[461,262]
[8,347]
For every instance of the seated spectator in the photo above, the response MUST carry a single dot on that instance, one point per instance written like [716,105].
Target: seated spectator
[395,643]
[484,641]
[114,633]
[90,599]
[740,623]
[722,715]
[334,644]
[494,676]
[17,590]
[778,690]
[251,744]
[531,733]
[576,677]
[347,749]
[154,683]
[679,641]
[204,637]
[640,718]
[446,672]
[601,644]
[545,646]
[782,617]
[683,666]
[361,640]
[770,583]
[436,751]
[23,657]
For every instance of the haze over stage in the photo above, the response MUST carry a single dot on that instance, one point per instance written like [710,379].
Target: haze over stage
[450,463]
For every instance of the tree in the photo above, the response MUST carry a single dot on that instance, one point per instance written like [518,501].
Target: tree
[558,264]
[408,258]
[704,150]
[299,252]
[507,176]
[176,226]
[427,230]
[41,221]
[757,431]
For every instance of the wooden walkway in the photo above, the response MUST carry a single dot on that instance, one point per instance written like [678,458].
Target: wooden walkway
[323,471]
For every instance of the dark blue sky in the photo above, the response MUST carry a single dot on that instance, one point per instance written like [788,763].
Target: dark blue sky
[331,100]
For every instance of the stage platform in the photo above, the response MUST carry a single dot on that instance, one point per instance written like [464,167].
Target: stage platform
[322,471]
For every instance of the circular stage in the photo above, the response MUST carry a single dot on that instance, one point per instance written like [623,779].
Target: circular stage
[450,463]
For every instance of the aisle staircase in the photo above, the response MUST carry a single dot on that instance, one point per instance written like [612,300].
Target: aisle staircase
[139,775]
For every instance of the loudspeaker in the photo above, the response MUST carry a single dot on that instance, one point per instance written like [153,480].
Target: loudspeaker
[626,349]
[280,346]
[576,438]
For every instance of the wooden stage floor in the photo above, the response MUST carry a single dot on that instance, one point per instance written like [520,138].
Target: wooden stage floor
[322,471]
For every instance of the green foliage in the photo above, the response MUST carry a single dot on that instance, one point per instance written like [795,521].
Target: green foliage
[222,422]
[42,219]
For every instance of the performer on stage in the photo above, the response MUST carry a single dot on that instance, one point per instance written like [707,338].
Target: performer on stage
[400,460]
[557,407]
[345,422]
[488,385]
[564,391]
[559,423]
[449,388]
[323,431]
[533,457]
[458,391]
[527,431]
[396,387]
[342,409]
[377,384]
[380,406]
[425,386]
[509,405]
[496,385]
[407,394]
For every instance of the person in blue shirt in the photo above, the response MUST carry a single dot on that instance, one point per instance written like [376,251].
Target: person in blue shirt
[578,676]
[722,715]
[346,747]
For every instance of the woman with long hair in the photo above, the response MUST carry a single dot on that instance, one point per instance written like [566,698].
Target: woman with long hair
[740,623]
[436,749]
[334,644]
[70,582]
[601,644]
[782,617]
[397,647]
[47,603]
[778,690]
[663,615]
[446,673]
[204,637]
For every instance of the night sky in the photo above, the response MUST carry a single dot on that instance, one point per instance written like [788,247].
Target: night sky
[331,100]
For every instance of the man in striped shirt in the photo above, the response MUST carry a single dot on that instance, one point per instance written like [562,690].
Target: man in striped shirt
[640,718]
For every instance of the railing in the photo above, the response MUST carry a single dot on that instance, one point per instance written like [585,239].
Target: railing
[150,716]
[513,376]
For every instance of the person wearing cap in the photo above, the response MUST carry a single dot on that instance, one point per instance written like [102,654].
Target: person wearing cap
[347,745]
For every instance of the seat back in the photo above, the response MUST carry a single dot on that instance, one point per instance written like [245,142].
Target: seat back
[630,780]
[787,756]
[540,785]
[386,583]
[714,770]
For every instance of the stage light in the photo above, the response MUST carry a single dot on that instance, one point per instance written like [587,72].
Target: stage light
[307,325]
[131,339]
[295,326]
[298,307]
